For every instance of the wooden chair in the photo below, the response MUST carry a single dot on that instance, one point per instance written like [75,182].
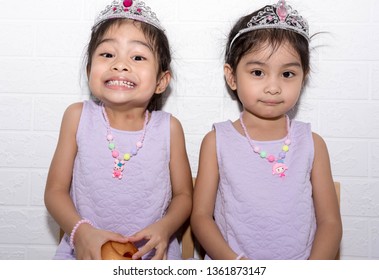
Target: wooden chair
[190,245]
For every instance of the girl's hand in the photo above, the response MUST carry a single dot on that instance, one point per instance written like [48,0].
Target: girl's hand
[89,240]
[157,238]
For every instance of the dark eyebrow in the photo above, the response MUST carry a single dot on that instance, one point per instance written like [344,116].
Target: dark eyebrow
[106,40]
[110,40]
[292,64]
[260,63]
[254,62]
[142,44]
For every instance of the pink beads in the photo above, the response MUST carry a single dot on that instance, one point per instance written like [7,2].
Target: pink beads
[115,154]
[278,162]
[271,158]
[120,159]
[72,235]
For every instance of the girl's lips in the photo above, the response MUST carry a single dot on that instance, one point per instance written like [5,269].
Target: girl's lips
[120,83]
[271,102]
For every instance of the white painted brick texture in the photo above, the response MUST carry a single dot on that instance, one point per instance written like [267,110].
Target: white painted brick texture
[40,74]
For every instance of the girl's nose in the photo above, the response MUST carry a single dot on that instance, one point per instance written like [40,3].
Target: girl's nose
[120,66]
[273,91]
[273,87]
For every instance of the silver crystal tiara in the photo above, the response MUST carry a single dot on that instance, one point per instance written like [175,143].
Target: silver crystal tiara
[129,9]
[278,15]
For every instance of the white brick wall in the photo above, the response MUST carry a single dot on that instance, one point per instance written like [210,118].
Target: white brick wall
[40,65]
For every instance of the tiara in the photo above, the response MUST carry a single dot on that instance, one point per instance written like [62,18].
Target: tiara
[280,16]
[129,9]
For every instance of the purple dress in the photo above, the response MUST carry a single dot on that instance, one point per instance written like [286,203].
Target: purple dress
[261,214]
[144,193]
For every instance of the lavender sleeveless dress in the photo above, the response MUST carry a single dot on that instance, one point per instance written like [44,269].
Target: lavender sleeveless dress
[140,198]
[262,215]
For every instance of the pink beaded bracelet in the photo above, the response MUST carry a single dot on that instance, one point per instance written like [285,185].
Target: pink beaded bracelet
[72,235]
[240,256]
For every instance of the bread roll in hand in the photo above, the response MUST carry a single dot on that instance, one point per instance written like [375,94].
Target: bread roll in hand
[113,250]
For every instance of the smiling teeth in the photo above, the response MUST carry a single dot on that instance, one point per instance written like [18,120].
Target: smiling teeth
[121,84]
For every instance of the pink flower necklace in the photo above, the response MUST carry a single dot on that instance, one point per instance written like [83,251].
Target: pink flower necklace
[278,166]
[120,161]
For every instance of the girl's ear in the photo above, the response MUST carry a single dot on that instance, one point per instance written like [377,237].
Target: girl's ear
[163,82]
[229,77]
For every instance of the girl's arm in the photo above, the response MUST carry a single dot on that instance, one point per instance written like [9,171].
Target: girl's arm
[202,223]
[57,199]
[57,193]
[329,226]
[181,202]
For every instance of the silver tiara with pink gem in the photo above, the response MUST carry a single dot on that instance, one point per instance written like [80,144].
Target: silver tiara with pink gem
[278,15]
[128,9]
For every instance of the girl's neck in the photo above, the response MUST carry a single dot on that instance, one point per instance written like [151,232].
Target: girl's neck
[261,129]
[129,120]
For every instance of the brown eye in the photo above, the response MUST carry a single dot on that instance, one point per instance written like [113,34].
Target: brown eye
[138,58]
[106,55]
[257,73]
[288,74]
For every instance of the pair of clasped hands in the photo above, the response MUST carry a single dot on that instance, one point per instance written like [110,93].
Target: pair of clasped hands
[96,244]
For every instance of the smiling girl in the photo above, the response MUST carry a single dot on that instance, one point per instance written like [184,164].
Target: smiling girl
[120,171]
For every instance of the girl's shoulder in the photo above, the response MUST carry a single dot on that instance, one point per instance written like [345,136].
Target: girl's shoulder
[224,123]
[301,124]
[75,107]
[71,117]
[84,107]
[162,116]
[74,111]
[318,141]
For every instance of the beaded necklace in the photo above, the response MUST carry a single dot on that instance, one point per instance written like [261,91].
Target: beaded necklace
[120,161]
[278,166]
